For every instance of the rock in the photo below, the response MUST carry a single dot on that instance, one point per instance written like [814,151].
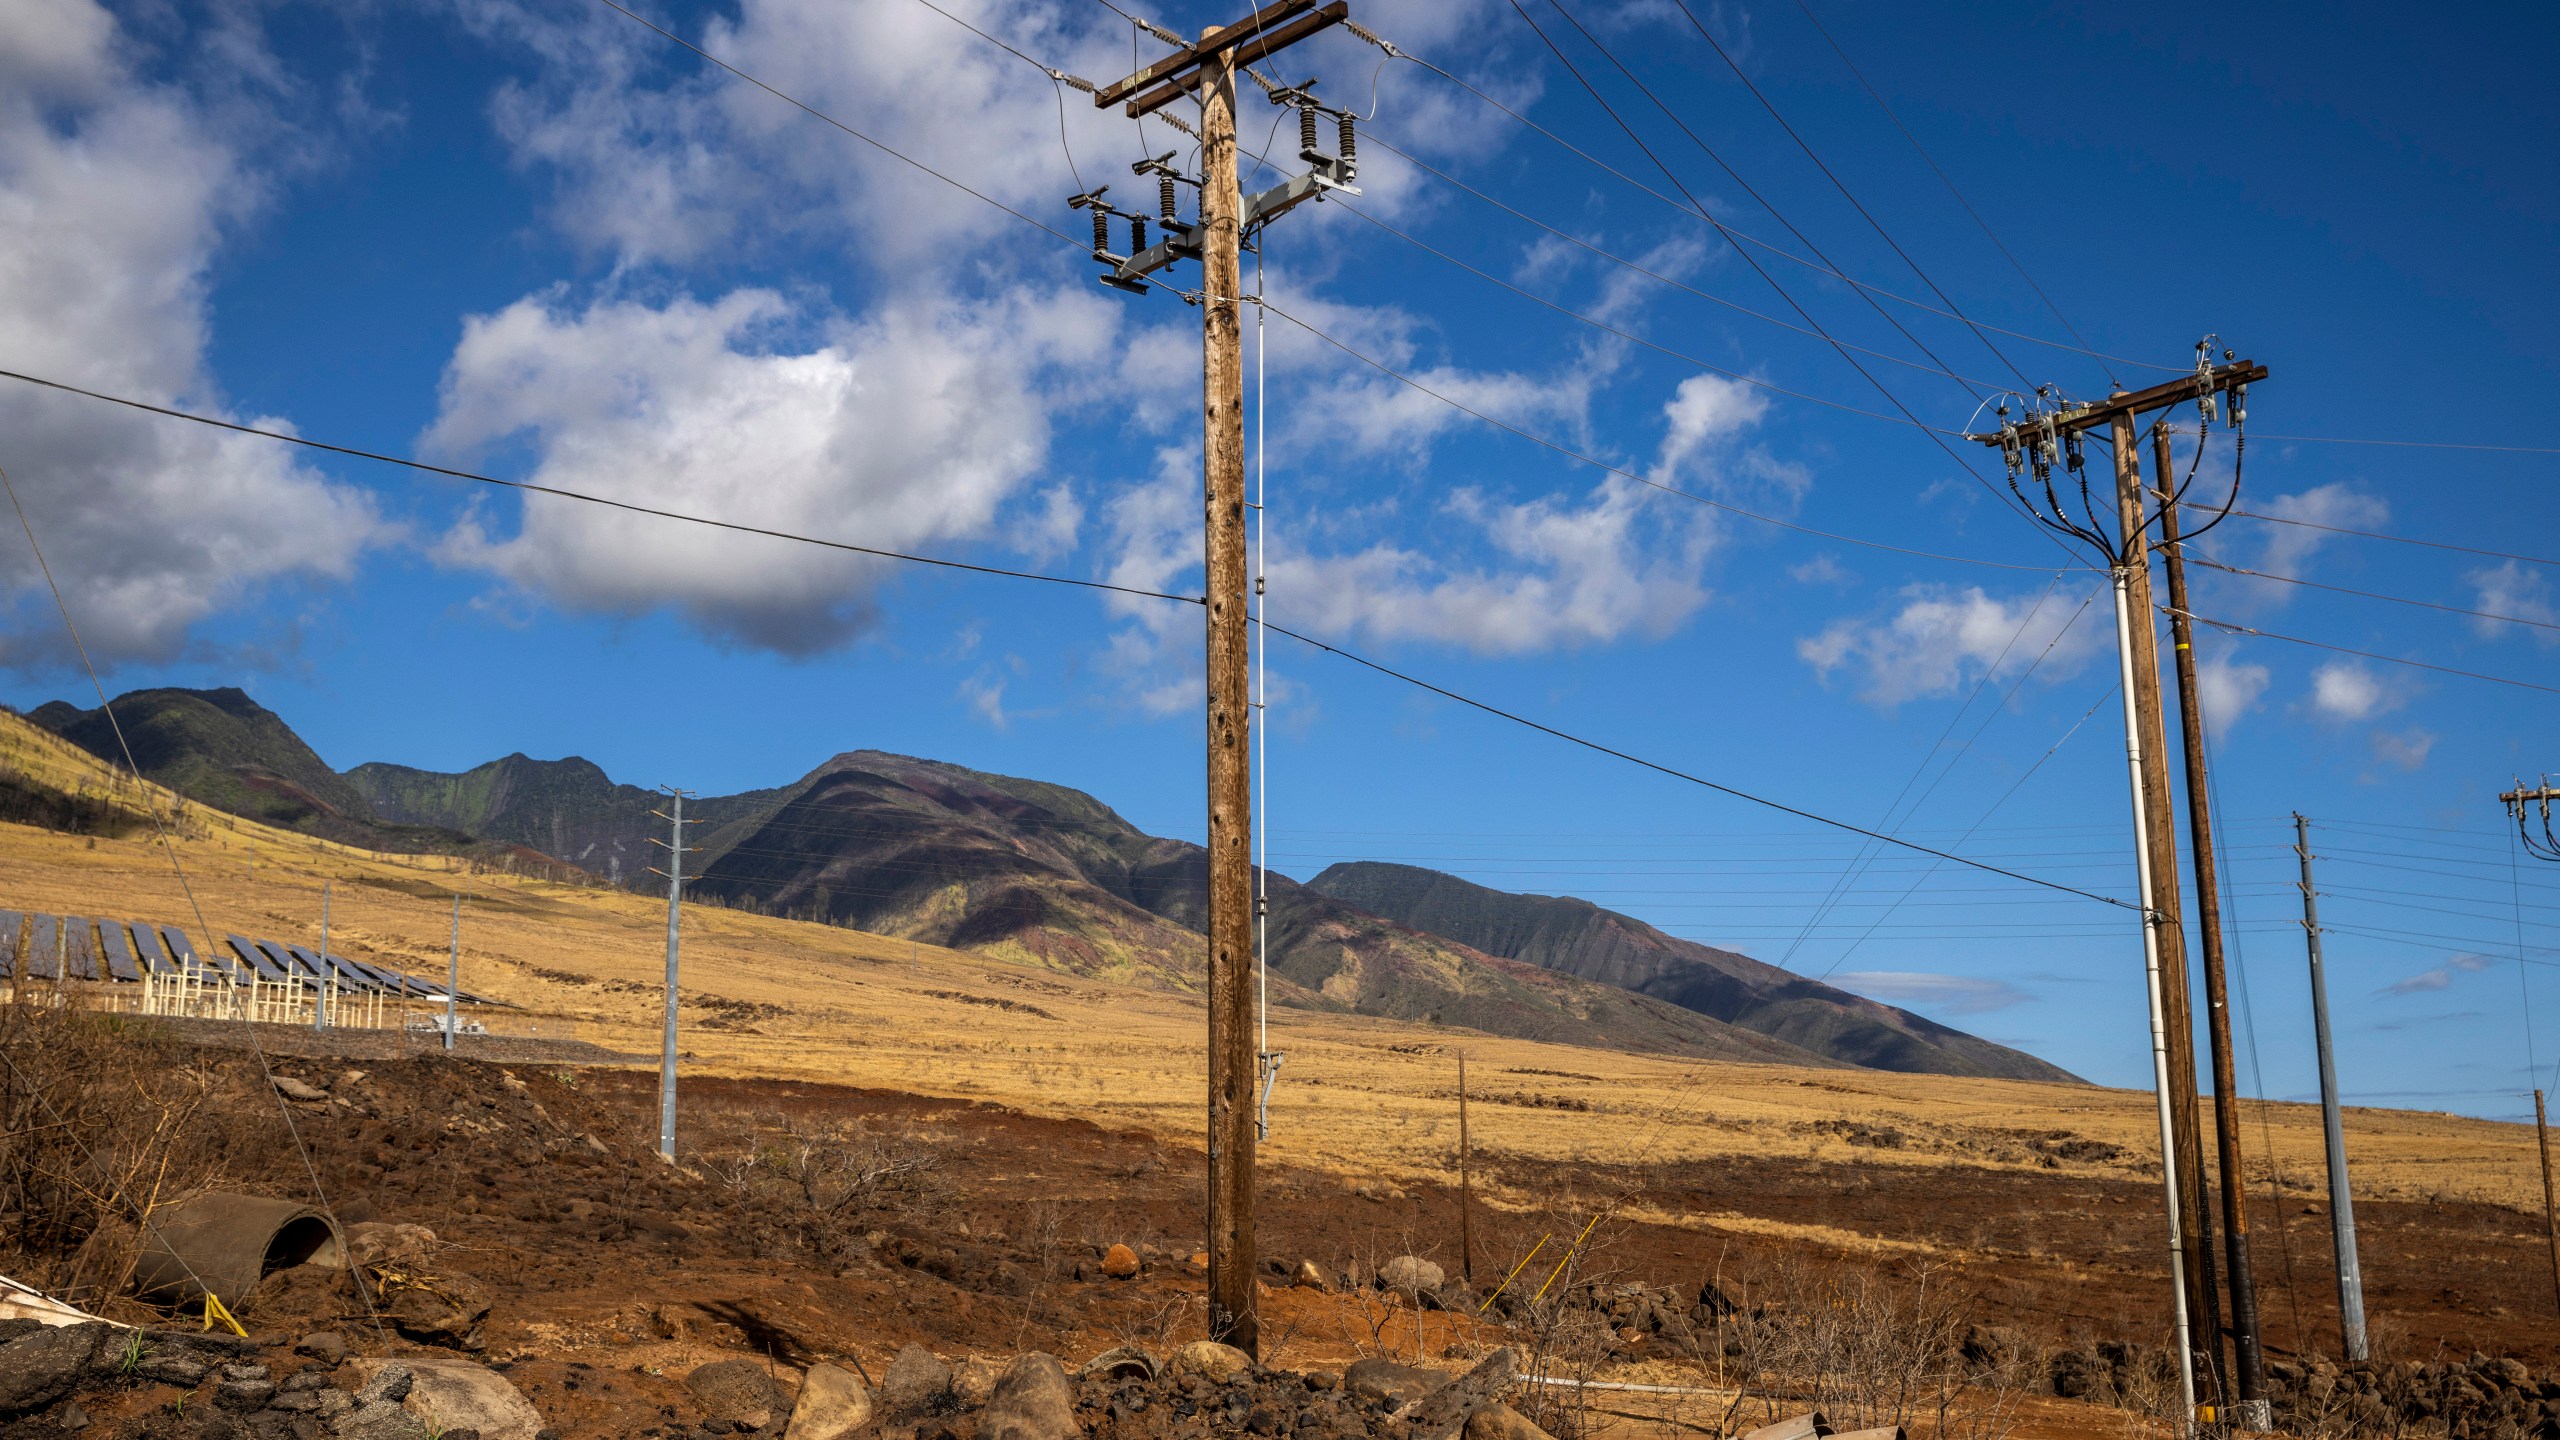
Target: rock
[388,1385]
[72,1418]
[293,1089]
[1323,1380]
[1443,1410]
[1120,1262]
[1377,1379]
[834,1404]
[915,1383]
[433,1309]
[1211,1361]
[39,1369]
[973,1381]
[1410,1276]
[739,1390]
[244,1387]
[453,1396]
[377,1242]
[1032,1402]
[1501,1422]
[1309,1277]
[326,1346]
[1199,1262]
[378,1420]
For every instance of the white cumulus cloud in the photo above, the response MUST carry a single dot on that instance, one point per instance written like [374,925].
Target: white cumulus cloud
[2345,691]
[115,193]
[917,424]
[1940,638]
[2229,688]
[2510,589]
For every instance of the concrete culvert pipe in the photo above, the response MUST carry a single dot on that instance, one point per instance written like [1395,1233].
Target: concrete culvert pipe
[227,1244]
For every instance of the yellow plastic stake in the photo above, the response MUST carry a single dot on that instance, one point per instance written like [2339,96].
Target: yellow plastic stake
[1567,1260]
[1515,1270]
[214,1310]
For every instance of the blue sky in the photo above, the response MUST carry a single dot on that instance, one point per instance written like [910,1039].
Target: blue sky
[541,241]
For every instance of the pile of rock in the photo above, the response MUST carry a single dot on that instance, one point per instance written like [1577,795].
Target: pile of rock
[225,1388]
[2479,1396]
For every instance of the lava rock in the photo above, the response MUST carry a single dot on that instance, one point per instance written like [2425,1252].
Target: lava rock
[916,1383]
[454,1396]
[1032,1402]
[38,1369]
[1120,1263]
[1211,1361]
[1501,1422]
[326,1346]
[738,1390]
[1311,1277]
[834,1404]
[1379,1380]
[1410,1276]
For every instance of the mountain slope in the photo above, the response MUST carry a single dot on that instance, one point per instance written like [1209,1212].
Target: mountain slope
[568,809]
[223,749]
[1051,876]
[1578,938]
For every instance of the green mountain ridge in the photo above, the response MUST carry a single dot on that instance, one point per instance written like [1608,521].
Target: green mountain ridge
[1576,937]
[1047,875]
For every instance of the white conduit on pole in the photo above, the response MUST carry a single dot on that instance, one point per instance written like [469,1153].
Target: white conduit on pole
[1266,1064]
[2153,979]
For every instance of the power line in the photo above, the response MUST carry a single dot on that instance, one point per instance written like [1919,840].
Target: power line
[2370,594]
[1598,464]
[2236,629]
[2394,539]
[2417,444]
[1842,186]
[1946,180]
[1746,238]
[1569,737]
[532,488]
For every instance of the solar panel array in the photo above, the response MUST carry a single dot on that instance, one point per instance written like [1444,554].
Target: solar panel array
[78,947]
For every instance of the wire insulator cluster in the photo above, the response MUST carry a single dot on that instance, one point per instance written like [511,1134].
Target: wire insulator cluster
[1137,233]
[1164,197]
[1101,230]
[1306,129]
[1350,149]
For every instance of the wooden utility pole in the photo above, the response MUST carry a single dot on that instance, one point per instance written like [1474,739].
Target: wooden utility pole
[2333,1133]
[2046,438]
[1208,69]
[2160,833]
[2252,1410]
[2550,1218]
[1465,1154]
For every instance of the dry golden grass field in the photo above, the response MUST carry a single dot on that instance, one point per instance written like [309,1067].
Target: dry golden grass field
[1363,1097]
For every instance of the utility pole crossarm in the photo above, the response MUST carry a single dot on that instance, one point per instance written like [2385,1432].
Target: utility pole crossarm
[2133,403]
[1264,33]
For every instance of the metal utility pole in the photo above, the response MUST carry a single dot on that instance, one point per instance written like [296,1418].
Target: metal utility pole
[1465,1154]
[453,974]
[2048,437]
[2550,1217]
[2252,1411]
[2342,1206]
[320,994]
[675,894]
[1207,69]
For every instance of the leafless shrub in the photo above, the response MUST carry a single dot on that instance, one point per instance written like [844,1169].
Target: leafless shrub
[829,1183]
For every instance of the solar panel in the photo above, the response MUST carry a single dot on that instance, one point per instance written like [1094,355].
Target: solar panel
[9,926]
[120,964]
[183,950]
[147,953]
[349,974]
[80,955]
[282,954]
[260,963]
[380,978]
[44,949]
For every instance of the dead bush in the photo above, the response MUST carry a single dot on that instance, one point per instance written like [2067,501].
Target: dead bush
[830,1183]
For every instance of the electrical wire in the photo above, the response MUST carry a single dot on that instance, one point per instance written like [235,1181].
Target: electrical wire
[1842,186]
[2394,539]
[1944,179]
[1570,453]
[1746,238]
[2237,629]
[2372,594]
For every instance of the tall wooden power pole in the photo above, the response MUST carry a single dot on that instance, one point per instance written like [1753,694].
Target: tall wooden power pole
[2550,1213]
[2333,1131]
[1208,69]
[2251,1411]
[2050,437]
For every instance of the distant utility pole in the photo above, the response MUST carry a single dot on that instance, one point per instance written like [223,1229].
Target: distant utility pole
[1207,69]
[675,893]
[2050,437]
[453,974]
[320,996]
[1466,1153]
[2342,1206]
[2550,1216]
[2522,803]
[2252,1411]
